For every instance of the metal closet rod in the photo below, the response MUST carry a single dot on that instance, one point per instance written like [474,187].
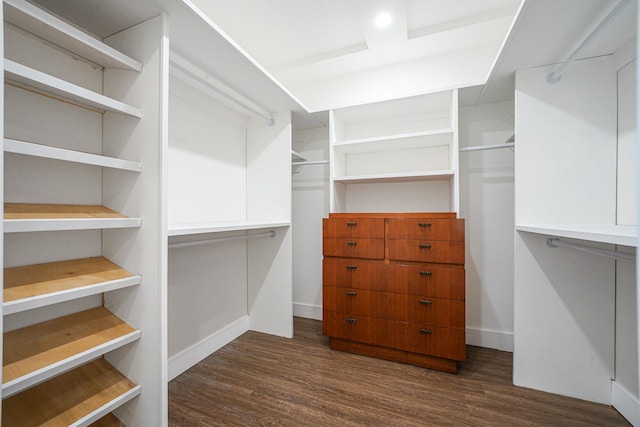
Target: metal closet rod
[556,242]
[555,76]
[222,89]
[488,147]
[310,162]
[177,245]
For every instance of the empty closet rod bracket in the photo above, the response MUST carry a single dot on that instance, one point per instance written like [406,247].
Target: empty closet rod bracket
[177,245]
[220,88]
[555,76]
[556,242]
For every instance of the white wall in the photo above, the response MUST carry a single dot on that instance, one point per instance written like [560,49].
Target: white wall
[310,193]
[486,204]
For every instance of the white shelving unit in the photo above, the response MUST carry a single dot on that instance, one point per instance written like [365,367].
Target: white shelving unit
[412,140]
[75,142]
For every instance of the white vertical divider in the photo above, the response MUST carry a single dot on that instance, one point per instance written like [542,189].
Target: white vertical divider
[337,190]
[269,260]
[455,162]
[1,193]
[143,251]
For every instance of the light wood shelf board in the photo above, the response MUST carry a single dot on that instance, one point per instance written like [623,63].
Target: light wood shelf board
[39,150]
[37,21]
[38,352]
[76,398]
[33,286]
[23,217]
[48,84]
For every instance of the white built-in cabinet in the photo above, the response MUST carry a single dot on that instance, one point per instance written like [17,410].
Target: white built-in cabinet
[575,313]
[396,156]
[84,285]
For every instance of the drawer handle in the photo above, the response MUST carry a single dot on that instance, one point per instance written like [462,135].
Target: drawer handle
[425,331]
[352,293]
[424,246]
[351,267]
[351,319]
[351,223]
[424,224]
[350,243]
[426,302]
[426,273]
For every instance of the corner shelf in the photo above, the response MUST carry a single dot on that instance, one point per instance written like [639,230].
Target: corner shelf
[44,350]
[600,233]
[49,27]
[25,217]
[402,141]
[48,152]
[64,90]
[97,385]
[33,286]
[396,177]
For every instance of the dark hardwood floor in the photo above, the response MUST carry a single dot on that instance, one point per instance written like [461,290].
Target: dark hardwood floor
[264,380]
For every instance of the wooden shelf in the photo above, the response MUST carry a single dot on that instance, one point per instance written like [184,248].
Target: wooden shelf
[24,217]
[204,228]
[108,421]
[49,27]
[64,90]
[601,233]
[33,286]
[76,398]
[44,350]
[39,150]
[396,177]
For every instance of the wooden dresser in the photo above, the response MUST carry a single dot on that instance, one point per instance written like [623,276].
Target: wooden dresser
[394,286]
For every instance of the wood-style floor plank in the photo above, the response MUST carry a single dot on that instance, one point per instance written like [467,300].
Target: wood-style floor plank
[265,380]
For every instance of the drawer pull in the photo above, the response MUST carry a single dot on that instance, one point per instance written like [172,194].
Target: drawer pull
[425,273]
[351,319]
[351,243]
[352,293]
[424,224]
[351,223]
[426,302]
[424,246]
[425,331]
[351,267]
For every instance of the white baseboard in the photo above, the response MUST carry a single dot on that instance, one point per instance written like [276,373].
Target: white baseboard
[490,339]
[308,311]
[625,403]
[200,350]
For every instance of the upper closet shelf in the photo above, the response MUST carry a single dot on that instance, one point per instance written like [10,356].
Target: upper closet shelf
[46,83]
[24,217]
[82,396]
[401,141]
[204,228]
[49,27]
[38,150]
[614,234]
[439,175]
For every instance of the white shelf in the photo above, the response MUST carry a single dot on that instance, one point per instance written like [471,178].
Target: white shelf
[43,82]
[49,27]
[613,234]
[404,141]
[441,175]
[38,150]
[204,228]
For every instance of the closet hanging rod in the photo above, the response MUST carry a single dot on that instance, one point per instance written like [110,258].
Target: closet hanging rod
[310,162]
[488,147]
[556,242]
[177,245]
[555,76]
[221,89]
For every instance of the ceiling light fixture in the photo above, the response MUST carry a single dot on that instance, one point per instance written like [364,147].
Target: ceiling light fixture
[383,20]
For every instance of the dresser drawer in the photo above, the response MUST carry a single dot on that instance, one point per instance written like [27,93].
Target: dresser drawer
[426,229]
[346,300]
[389,306]
[435,311]
[435,341]
[372,228]
[427,280]
[353,273]
[353,247]
[346,326]
[437,251]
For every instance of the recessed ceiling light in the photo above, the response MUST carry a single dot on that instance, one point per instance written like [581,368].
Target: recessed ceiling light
[383,19]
